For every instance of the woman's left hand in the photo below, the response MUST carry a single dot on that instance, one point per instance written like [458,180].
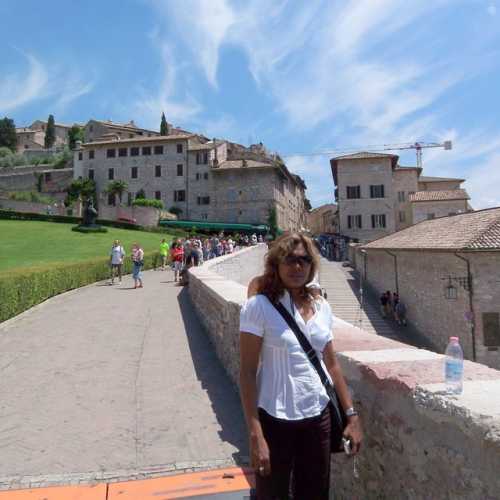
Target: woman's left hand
[354,433]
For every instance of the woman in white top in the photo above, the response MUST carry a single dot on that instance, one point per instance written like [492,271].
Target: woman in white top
[285,403]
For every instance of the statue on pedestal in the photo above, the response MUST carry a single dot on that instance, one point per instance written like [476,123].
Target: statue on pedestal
[89,213]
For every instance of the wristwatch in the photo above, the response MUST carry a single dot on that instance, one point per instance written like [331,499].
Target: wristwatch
[351,412]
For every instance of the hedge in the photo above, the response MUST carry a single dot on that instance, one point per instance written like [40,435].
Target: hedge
[147,202]
[21,289]
[13,215]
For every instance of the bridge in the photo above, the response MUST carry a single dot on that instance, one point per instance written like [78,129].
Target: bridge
[110,392]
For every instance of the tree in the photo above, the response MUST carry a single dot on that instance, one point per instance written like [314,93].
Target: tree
[117,188]
[50,132]
[80,188]
[75,134]
[163,125]
[307,204]
[140,194]
[8,136]
[272,222]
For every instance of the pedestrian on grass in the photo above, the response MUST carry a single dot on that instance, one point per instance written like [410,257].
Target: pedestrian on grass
[285,404]
[164,251]
[116,257]
[138,263]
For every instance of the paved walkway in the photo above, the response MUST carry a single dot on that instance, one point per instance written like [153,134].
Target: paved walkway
[342,287]
[108,382]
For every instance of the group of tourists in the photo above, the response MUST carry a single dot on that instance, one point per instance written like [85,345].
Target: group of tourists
[332,247]
[392,307]
[181,255]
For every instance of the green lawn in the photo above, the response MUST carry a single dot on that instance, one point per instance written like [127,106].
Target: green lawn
[31,243]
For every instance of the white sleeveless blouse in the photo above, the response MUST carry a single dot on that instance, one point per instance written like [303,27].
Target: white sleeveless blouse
[288,386]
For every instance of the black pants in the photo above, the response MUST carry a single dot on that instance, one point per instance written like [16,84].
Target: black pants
[301,446]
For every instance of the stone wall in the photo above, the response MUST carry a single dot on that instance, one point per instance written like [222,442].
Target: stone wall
[26,179]
[35,208]
[422,278]
[419,442]
[143,216]
[241,266]
[421,209]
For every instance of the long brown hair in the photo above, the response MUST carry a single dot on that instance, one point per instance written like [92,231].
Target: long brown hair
[270,283]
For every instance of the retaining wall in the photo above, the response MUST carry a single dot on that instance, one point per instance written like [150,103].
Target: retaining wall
[420,443]
[143,216]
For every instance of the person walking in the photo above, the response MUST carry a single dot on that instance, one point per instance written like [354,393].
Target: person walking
[383,304]
[138,263]
[164,251]
[116,257]
[177,255]
[285,404]
[400,313]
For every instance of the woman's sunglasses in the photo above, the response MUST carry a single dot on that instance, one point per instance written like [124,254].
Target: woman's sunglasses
[303,260]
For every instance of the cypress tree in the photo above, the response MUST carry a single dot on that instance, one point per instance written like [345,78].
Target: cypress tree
[50,132]
[163,125]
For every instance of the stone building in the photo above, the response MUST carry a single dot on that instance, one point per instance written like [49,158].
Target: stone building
[432,204]
[32,138]
[323,219]
[201,178]
[101,130]
[377,196]
[447,272]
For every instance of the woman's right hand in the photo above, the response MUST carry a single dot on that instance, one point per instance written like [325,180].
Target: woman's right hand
[260,457]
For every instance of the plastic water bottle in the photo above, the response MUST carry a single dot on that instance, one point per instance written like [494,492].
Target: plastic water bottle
[454,367]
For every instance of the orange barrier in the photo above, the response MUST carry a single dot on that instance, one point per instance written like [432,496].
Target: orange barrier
[184,485]
[94,492]
[209,482]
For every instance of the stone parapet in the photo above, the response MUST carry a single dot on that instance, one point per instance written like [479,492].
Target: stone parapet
[420,443]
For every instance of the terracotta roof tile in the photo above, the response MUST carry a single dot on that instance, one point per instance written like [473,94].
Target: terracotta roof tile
[470,231]
[447,195]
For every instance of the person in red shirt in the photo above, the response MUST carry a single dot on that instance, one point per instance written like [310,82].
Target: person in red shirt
[177,255]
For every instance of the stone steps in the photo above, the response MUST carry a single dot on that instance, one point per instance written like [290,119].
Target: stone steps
[343,296]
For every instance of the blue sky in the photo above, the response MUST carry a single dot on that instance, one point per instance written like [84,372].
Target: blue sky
[300,76]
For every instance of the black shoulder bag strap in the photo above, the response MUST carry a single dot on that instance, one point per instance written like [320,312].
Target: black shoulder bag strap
[338,417]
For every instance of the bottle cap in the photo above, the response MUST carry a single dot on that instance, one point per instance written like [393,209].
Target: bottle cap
[454,339]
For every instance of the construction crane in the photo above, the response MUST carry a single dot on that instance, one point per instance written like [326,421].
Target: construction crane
[417,146]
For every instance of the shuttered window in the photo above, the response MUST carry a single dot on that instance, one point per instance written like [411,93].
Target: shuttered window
[491,329]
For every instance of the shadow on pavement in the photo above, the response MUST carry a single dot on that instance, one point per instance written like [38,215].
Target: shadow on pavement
[222,393]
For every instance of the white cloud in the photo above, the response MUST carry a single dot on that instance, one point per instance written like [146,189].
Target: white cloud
[350,68]
[72,90]
[60,87]
[178,110]
[16,89]
[203,25]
